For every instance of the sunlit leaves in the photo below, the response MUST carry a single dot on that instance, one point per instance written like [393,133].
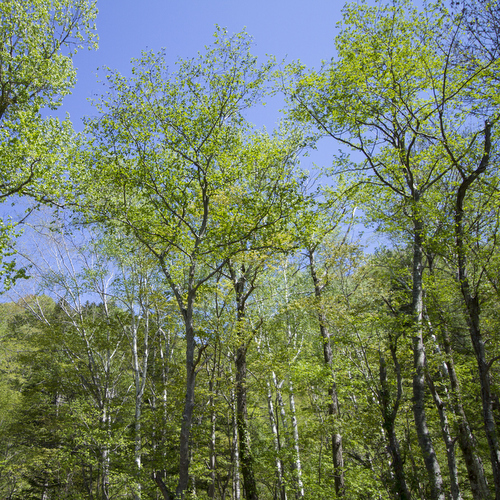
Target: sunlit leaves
[178,164]
[37,41]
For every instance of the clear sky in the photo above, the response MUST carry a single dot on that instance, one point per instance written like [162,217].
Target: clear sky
[293,30]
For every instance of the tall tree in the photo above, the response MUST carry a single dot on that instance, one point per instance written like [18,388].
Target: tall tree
[243,278]
[471,292]
[180,170]
[396,98]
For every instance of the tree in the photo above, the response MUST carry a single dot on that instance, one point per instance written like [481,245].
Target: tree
[470,287]
[87,339]
[37,42]
[173,164]
[397,97]
[244,280]
[312,239]
[482,28]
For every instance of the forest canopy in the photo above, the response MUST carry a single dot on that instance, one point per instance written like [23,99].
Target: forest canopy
[200,321]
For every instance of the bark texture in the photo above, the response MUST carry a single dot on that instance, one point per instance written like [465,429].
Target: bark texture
[333,410]
[424,437]
[473,310]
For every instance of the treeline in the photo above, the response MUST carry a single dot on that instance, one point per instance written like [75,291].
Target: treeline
[202,324]
[95,380]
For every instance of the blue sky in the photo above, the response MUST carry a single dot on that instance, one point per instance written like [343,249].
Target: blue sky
[292,30]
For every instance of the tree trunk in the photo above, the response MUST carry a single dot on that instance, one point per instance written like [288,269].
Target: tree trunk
[165,353]
[277,446]
[246,459]
[212,462]
[466,441]
[185,303]
[295,429]
[424,438]
[448,441]
[333,408]
[389,413]
[161,485]
[296,466]
[105,457]
[187,415]
[473,312]
[484,379]
[138,447]
[284,424]
[236,452]
[140,370]
[243,288]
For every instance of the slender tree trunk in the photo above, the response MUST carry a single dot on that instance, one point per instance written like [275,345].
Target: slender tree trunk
[243,289]
[159,434]
[138,447]
[448,441]
[212,463]
[473,312]
[484,379]
[284,424]
[295,430]
[389,413]
[187,415]
[424,438]
[333,409]
[478,343]
[280,469]
[236,453]
[281,406]
[296,466]
[105,456]
[140,370]
[475,471]
[466,440]
[185,303]
[214,375]
[246,458]
[277,446]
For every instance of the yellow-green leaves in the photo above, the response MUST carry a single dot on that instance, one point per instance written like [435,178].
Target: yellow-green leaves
[404,97]
[37,40]
[173,158]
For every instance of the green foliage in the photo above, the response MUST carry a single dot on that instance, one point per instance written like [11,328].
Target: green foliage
[192,173]
[37,42]
[399,97]
[186,198]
